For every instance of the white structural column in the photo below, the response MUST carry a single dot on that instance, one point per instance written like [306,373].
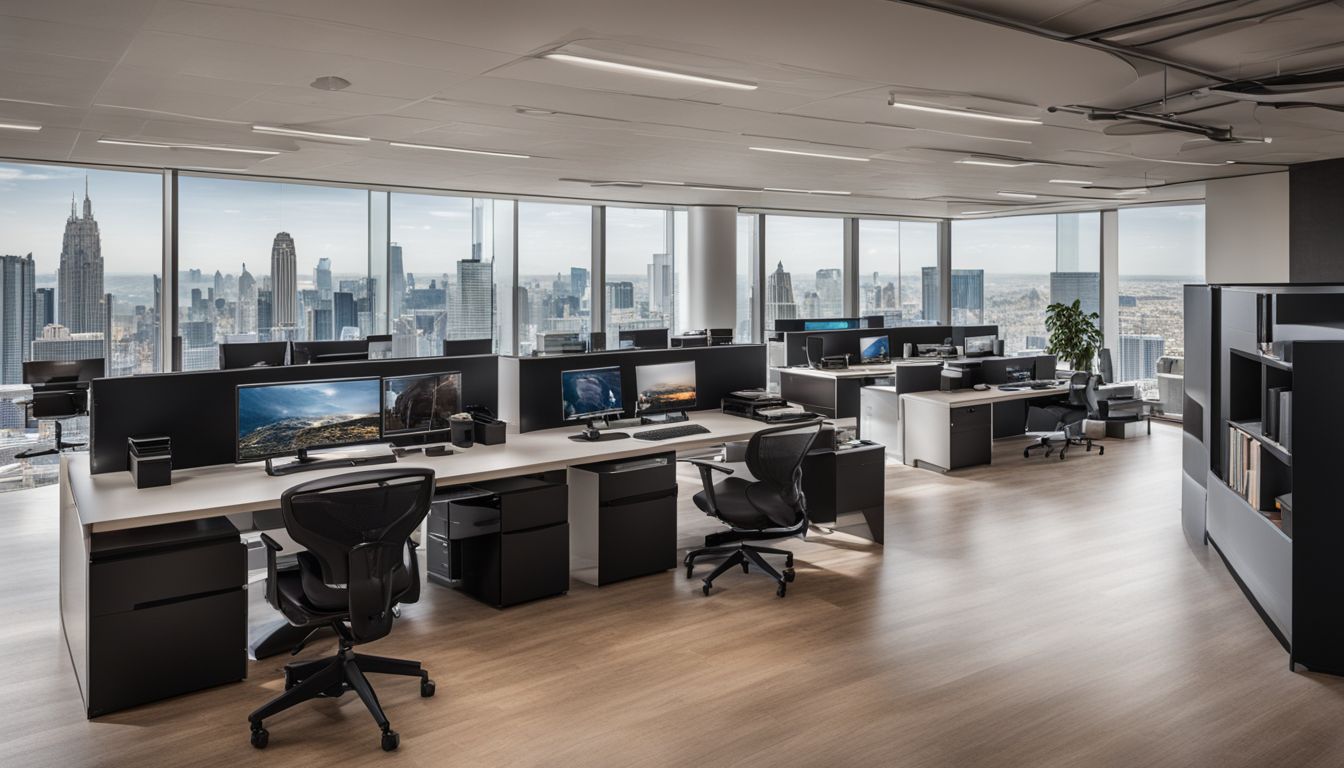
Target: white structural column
[712,267]
[1110,281]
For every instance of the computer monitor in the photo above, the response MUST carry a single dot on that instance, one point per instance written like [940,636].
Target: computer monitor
[560,343]
[420,403]
[665,387]
[591,392]
[380,346]
[979,346]
[874,349]
[1020,371]
[305,352]
[62,373]
[643,338]
[292,418]
[458,347]
[829,325]
[253,354]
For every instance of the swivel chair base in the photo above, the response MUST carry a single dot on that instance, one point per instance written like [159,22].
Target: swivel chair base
[745,555]
[331,678]
[1049,446]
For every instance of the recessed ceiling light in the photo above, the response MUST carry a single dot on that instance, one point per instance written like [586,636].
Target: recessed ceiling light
[665,74]
[313,134]
[405,145]
[20,127]
[330,83]
[809,154]
[1018,195]
[975,213]
[992,163]
[962,113]
[165,145]
[806,191]
[1075,182]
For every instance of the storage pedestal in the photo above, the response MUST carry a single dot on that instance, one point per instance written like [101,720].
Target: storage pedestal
[845,489]
[624,518]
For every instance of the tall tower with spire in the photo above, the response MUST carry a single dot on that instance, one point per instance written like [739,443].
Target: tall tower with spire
[246,321]
[80,274]
[284,281]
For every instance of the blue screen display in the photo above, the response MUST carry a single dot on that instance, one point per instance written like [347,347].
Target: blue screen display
[874,348]
[828,325]
[280,419]
[591,392]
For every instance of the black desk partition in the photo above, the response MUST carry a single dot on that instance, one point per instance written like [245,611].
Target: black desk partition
[196,409]
[842,342]
[718,371]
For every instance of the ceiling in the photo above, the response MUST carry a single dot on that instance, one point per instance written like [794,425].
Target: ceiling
[471,75]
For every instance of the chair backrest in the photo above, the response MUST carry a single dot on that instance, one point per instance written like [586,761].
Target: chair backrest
[1106,366]
[775,458]
[356,525]
[1091,397]
[1078,383]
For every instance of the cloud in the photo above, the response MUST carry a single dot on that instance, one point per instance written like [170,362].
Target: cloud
[12,173]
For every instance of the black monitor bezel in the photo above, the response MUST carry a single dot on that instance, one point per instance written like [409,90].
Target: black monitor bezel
[664,409]
[594,414]
[382,404]
[87,371]
[237,453]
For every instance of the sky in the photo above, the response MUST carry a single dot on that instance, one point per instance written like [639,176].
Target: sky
[225,222]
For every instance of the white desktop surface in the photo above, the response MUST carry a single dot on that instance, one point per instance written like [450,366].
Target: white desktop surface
[111,502]
[960,397]
[861,370]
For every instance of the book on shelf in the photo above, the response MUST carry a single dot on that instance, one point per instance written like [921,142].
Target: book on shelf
[1243,468]
[1285,435]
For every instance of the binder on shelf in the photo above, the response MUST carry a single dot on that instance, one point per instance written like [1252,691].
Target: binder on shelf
[1285,409]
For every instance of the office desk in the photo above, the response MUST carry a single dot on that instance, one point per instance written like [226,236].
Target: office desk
[950,430]
[97,509]
[835,392]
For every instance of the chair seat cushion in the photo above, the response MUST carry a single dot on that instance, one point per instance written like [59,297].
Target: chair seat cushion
[748,504]
[303,588]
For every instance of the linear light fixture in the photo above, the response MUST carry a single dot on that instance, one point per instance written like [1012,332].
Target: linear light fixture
[312,134]
[992,163]
[666,74]
[20,127]
[962,113]
[976,213]
[1074,182]
[809,154]
[1018,195]
[807,191]
[1135,191]
[463,150]
[206,147]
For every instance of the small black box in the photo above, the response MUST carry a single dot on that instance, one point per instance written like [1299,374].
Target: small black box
[490,433]
[150,471]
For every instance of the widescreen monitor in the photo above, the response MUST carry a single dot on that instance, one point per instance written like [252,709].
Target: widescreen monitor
[459,347]
[979,346]
[294,417]
[829,325]
[421,403]
[591,392]
[305,352]
[665,387]
[1020,371]
[643,338]
[253,354]
[874,349]
[62,372]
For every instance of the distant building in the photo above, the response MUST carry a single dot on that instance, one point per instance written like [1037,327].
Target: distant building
[620,295]
[1138,356]
[17,315]
[779,301]
[58,343]
[396,276]
[475,305]
[345,313]
[44,307]
[968,295]
[662,286]
[830,294]
[79,277]
[1083,287]
[246,319]
[284,281]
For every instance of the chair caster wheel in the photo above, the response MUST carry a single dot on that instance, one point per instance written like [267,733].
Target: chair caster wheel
[1061,457]
[788,561]
[705,588]
[426,688]
[788,575]
[1101,450]
[781,590]
[260,737]
[391,741]
[689,570]
[745,568]
[1026,454]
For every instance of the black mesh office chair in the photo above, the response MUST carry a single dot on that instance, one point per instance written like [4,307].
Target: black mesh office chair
[762,499]
[359,563]
[1060,425]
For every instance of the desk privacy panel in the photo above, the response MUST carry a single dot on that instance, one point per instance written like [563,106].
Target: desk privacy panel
[718,370]
[847,342]
[197,409]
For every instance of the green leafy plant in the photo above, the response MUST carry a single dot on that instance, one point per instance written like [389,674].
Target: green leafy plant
[1074,336]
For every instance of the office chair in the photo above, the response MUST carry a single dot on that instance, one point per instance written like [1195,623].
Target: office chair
[1105,366]
[355,527]
[1115,410]
[760,499]
[1060,424]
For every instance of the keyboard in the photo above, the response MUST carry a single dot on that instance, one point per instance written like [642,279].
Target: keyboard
[1029,384]
[667,433]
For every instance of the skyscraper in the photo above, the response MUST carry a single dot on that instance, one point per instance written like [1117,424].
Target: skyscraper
[830,293]
[662,285]
[396,275]
[345,313]
[322,279]
[246,320]
[968,295]
[284,281]
[578,281]
[79,277]
[620,295]
[17,316]
[779,303]
[265,315]
[1084,287]
[44,308]
[475,300]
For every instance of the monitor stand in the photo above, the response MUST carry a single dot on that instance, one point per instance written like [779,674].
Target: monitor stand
[306,463]
[61,445]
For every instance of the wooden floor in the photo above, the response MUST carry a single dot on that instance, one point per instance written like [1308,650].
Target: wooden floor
[1031,613]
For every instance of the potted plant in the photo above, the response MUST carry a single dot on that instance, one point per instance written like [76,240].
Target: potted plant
[1074,336]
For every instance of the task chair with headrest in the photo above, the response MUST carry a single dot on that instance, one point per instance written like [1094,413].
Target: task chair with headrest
[761,498]
[1060,425]
[359,563]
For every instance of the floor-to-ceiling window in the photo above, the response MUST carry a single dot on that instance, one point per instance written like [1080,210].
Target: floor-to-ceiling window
[1006,271]
[748,259]
[261,261]
[898,271]
[81,253]
[641,278]
[554,265]
[804,267]
[1161,249]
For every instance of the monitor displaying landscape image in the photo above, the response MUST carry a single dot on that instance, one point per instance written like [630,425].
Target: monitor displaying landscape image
[666,387]
[420,403]
[591,392]
[874,348]
[281,419]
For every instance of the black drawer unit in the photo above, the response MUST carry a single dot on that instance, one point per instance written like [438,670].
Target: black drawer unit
[970,436]
[624,518]
[845,489]
[504,542]
[167,612]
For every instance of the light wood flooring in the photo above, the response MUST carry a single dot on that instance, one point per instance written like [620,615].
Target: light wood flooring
[1030,613]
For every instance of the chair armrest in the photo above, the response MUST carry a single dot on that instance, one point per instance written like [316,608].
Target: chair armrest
[705,464]
[412,593]
[707,468]
[272,572]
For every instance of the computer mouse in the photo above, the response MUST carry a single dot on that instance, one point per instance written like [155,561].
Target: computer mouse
[980,387]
